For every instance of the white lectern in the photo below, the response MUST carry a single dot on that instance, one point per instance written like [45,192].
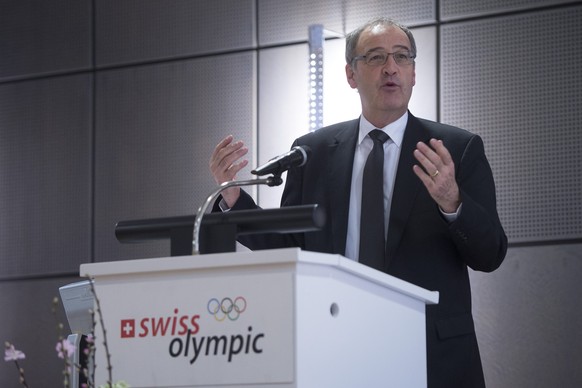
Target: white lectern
[274,318]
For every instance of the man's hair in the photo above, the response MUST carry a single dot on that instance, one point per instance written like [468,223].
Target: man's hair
[353,37]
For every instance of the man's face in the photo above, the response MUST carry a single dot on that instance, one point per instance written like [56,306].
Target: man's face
[384,89]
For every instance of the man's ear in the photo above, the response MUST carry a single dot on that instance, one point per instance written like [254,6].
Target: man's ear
[350,76]
[413,73]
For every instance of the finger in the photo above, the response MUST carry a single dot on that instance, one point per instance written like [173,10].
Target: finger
[441,151]
[214,157]
[429,152]
[229,174]
[220,146]
[225,146]
[236,167]
[227,140]
[424,177]
[226,170]
[423,154]
[223,162]
[231,154]
[225,153]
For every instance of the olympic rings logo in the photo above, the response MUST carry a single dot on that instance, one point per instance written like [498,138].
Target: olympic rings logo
[227,308]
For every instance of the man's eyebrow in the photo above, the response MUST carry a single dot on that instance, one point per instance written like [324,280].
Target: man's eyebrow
[401,47]
[395,47]
[375,49]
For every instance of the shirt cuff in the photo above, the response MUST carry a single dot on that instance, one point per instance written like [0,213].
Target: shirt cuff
[223,206]
[451,217]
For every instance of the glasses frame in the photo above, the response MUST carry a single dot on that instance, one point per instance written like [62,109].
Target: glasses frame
[409,56]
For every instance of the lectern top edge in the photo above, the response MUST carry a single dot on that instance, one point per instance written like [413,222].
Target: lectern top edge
[428,297]
[286,256]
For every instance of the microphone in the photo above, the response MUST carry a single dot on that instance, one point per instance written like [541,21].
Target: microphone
[297,157]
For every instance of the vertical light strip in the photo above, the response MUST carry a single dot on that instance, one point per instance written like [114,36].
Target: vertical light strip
[315,76]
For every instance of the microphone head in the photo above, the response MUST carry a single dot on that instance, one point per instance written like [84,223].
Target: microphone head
[305,153]
[296,157]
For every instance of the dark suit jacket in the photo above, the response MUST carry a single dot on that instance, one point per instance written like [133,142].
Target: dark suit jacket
[422,248]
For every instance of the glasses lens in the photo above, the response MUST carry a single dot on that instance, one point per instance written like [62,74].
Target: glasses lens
[402,57]
[376,58]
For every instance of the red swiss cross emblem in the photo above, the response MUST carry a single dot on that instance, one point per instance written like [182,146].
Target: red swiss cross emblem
[127,328]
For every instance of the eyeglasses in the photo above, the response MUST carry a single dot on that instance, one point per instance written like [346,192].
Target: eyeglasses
[379,58]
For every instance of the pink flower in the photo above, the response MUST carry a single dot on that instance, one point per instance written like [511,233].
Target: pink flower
[90,341]
[65,349]
[11,354]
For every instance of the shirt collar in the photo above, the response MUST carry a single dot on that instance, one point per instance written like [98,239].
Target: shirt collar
[395,129]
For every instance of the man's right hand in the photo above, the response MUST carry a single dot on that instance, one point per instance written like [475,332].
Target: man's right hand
[225,163]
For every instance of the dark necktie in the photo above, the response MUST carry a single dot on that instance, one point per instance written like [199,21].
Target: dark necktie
[372,243]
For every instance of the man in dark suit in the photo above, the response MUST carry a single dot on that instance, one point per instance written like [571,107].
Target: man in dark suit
[438,196]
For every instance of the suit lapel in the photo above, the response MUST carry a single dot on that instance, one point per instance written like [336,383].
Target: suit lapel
[341,152]
[406,187]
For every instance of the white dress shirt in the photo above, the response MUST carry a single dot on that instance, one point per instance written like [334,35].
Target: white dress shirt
[392,149]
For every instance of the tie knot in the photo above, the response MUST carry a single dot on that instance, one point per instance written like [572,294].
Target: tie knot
[378,136]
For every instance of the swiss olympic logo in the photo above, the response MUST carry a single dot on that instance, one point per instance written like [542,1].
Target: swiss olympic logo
[227,308]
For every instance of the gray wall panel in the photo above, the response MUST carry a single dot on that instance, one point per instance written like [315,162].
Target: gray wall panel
[528,318]
[45,175]
[156,128]
[131,31]
[284,113]
[27,321]
[288,21]
[454,9]
[523,95]
[43,37]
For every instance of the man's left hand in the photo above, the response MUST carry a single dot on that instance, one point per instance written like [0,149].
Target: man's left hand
[438,174]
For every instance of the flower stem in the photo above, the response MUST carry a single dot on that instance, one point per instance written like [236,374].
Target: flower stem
[21,373]
[100,315]
[62,339]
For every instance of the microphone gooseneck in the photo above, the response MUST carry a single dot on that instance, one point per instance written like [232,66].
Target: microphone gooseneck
[274,180]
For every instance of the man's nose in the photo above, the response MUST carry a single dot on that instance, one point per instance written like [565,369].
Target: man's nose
[390,67]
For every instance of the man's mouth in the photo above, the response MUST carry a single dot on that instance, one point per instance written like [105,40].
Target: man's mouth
[390,85]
